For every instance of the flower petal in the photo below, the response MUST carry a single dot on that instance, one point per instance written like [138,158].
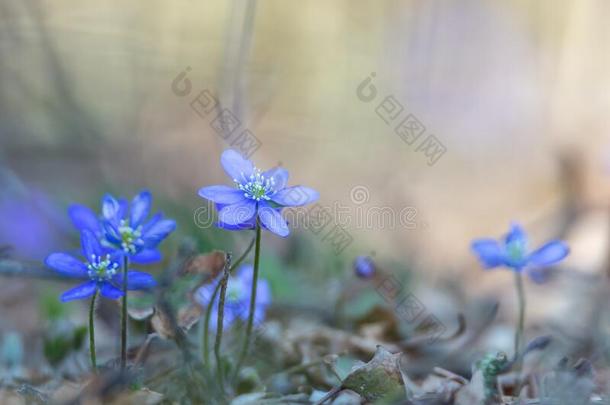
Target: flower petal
[539,275]
[273,221]
[237,213]
[263,294]
[111,233]
[110,291]
[239,227]
[295,196]
[146,256]
[549,254]
[279,176]
[158,231]
[156,218]
[139,280]
[490,252]
[516,235]
[91,246]
[140,207]
[236,167]
[82,291]
[66,265]
[84,218]
[222,194]
[110,207]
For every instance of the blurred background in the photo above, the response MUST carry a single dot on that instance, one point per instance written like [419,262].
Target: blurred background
[101,97]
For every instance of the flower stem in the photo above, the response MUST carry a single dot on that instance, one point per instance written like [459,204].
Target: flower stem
[124,316]
[521,320]
[208,310]
[257,251]
[219,326]
[92,333]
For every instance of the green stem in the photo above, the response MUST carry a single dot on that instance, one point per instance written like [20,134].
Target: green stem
[521,320]
[257,251]
[124,315]
[92,333]
[208,310]
[219,328]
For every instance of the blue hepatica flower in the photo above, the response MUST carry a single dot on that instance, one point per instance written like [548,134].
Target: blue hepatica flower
[100,269]
[237,299]
[513,252]
[123,226]
[257,194]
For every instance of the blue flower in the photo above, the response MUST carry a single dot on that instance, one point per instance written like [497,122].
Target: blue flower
[122,226]
[513,252]
[100,268]
[258,194]
[237,299]
[364,267]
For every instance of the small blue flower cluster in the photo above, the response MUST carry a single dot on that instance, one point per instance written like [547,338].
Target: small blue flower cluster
[121,232]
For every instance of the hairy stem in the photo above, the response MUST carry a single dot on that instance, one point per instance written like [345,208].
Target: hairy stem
[219,326]
[124,316]
[92,333]
[208,310]
[521,319]
[257,251]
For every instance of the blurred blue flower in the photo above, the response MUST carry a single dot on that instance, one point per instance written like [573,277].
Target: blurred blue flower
[513,252]
[237,299]
[364,267]
[100,268]
[258,194]
[122,226]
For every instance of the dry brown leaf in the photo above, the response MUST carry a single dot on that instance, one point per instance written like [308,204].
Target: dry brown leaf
[189,316]
[209,265]
[161,323]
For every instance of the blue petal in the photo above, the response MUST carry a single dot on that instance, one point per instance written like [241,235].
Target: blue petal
[539,275]
[203,295]
[239,227]
[82,291]
[222,194]
[549,254]
[110,207]
[263,293]
[140,207]
[158,231]
[295,196]
[84,218]
[123,207]
[273,221]
[110,291]
[111,232]
[516,235]
[91,246]
[237,213]
[139,280]
[228,319]
[490,252]
[236,167]
[279,176]
[156,218]
[146,256]
[66,265]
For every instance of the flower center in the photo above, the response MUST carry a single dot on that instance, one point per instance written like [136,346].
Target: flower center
[516,251]
[101,268]
[234,292]
[256,187]
[129,237]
